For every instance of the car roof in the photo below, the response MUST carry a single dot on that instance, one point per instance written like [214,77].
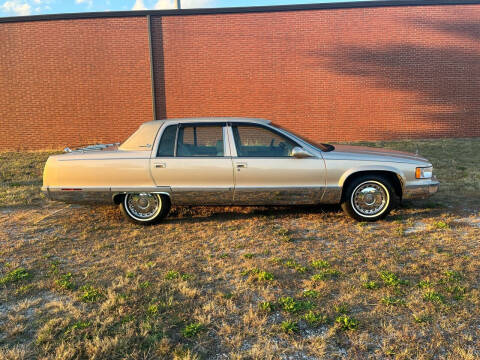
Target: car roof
[207,120]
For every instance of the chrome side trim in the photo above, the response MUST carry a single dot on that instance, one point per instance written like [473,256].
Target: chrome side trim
[136,189]
[78,188]
[332,195]
[202,196]
[97,194]
[278,195]
[205,195]
[81,196]
[108,159]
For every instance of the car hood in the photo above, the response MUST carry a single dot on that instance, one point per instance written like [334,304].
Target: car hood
[368,153]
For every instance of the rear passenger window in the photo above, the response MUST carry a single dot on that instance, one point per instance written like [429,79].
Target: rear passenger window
[167,142]
[200,140]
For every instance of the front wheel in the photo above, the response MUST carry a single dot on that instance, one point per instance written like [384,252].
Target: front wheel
[369,198]
[145,208]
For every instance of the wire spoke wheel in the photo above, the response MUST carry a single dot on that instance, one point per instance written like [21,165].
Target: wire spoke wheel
[370,199]
[143,206]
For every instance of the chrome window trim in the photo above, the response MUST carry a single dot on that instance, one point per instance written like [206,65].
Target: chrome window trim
[223,124]
[231,141]
[227,152]
[232,149]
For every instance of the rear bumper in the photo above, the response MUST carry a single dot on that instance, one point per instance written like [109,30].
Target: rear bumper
[421,189]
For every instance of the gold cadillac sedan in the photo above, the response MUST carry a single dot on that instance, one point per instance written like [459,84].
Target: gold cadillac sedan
[234,161]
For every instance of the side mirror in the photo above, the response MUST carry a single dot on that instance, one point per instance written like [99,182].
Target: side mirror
[299,153]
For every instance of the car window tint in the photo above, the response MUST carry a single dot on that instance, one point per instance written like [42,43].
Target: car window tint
[200,140]
[257,141]
[167,142]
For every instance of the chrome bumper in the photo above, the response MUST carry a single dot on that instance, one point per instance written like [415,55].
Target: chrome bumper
[421,189]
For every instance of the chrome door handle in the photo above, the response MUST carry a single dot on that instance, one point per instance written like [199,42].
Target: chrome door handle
[161,165]
[241,165]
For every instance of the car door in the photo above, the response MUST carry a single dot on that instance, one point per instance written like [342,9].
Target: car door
[266,173]
[192,159]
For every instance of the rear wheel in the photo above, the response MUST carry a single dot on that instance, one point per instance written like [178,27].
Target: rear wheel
[145,208]
[369,198]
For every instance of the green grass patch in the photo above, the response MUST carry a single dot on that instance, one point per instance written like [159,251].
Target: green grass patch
[16,275]
[90,294]
[291,305]
[315,318]
[192,329]
[289,326]
[347,322]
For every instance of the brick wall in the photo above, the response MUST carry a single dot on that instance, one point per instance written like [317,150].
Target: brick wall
[344,74]
[330,75]
[73,82]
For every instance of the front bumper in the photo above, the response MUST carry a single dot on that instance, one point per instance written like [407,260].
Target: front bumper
[421,189]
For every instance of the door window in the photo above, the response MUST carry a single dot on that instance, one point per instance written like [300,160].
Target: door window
[258,141]
[200,140]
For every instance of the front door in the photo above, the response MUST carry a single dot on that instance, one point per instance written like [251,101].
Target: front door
[266,173]
[191,160]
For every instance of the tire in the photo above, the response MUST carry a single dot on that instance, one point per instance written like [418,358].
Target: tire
[369,198]
[145,208]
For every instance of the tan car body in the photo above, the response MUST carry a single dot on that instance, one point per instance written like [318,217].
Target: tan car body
[100,176]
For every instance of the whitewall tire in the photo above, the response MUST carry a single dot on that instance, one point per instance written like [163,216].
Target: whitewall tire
[369,198]
[145,208]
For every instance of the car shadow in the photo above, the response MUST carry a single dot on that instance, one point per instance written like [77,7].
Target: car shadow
[195,214]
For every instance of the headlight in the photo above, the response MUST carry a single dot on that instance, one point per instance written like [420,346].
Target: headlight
[424,173]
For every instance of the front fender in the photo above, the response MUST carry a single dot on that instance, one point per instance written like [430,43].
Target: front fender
[368,168]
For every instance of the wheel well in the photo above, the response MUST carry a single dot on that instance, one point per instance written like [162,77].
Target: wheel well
[391,176]
[118,198]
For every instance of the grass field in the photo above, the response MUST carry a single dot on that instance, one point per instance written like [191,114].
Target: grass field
[243,283]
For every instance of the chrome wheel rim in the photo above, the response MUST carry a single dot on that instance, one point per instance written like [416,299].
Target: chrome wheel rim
[370,199]
[143,206]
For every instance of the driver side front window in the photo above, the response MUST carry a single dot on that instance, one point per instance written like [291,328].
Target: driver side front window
[258,141]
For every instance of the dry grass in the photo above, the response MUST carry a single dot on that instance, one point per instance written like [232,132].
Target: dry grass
[242,283]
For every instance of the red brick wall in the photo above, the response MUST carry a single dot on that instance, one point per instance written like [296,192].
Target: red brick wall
[331,75]
[345,74]
[73,82]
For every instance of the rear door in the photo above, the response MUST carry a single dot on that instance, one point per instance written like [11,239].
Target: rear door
[266,173]
[193,159]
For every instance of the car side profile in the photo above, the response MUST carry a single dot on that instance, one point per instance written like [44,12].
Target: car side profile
[234,161]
